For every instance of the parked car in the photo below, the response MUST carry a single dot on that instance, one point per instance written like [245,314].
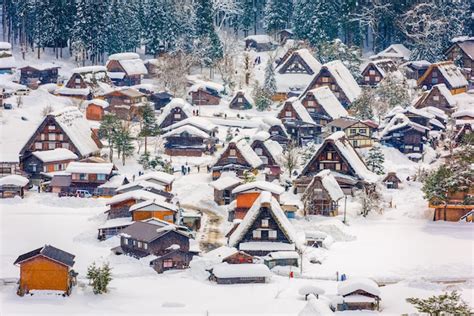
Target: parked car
[83,194]
[7,106]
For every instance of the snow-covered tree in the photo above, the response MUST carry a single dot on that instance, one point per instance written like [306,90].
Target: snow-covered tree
[162,26]
[99,277]
[362,107]
[443,304]
[375,160]
[109,125]
[351,56]
[261,98]
[391,92]
[149,127]
[277,15]
[246,19]
[123,142]
[371,200]
[269,85]
[124,28]
[290,158]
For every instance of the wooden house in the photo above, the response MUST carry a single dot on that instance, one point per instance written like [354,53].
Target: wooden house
[322,195]
[284,35]
[96,109]
[298,122]
[339,79]
[86,83]
[260,43]
[120,204]
[158,177]
[169,245]
[358,294]
[375,71]
[7,61]
[125,103]
[156,208]
[206,93]
[223,188]
[461,53]
[246,194]
[392,181]
[294,72]
[459,203]
[398,53]
[337,154]
[462,130]
[198,122]
[277,130]
[237,157]
[444,72]
[468,218]
[414,70]
[188,141]
[439,97]
[158,189]
[175,111]
[240,273]
[241,101]
[228,255]
[46,269]
[108,189]
[125,69]
[48,161]
[270,152]
[13,185]
[160,99]
[84,176]
[358,133]
[322,105]
[35,75]
[264,229]
[281,258]
[66,129]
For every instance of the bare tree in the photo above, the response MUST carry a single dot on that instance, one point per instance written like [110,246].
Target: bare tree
[290,158]
[224,10]
[172,70]
[226,65]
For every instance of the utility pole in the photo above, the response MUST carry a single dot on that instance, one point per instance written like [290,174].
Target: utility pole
[345,208]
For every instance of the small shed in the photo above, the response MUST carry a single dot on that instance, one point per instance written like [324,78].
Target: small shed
[223,188]
[284,35]
[13,185]
[260,43]
[161,99]
[46,268]
[281,258]
[206,93]
[241,101]
[392,181]
[95,109]
[358,294]
[225,273]
[156,208]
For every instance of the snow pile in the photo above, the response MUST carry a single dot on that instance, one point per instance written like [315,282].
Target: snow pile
[316,307]
[260,39]
[15,180]
[57,154]
[90,167]
[243,270]
[311,289]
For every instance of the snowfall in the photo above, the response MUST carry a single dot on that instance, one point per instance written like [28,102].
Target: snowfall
[402,249]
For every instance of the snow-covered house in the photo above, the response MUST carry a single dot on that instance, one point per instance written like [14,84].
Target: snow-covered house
[414,70]
[462,53]
[153,187]
[322,105]
[66,128]
[188,140]
[439,97]
[444,72]
[44,162]
[175,111]
[396,52]
[294,73]
[119,205]
[160,99]
[238,157]
[359,133]
[276,129]
[337,154]
[206,93]
[86,83]
[96,109]
[270,152]
[225,273]
[322,195]
[13,185]
[158,177]
[223,188]
[125,102]
[228,255]
[298,122]
[391,180]
[35,75]
[156,208]
[7,61]
[264,229]
[357,294]
[125,69]
[285,35]
[108,189]
[339,79]
[260,43]
[246,194]
[242,100]
[375,71]
[198,122]
[167,247]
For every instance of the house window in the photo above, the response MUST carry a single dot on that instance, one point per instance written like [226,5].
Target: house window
[51,136]
[140,245]
[78,80]
[377,78]
[257,234]
[240,100]
[310,103]
[258,151]
[61,137]
[434,80]
[135,243]
[51,145]
[353,130]
[436,97]
[101,176]
[177,116]
[168,218]
[325,79]
[354,143]
[338,166]
[125,241]
[126,101]
[232,153]
[145,246]
[82,176]
[367,79]
[168,263]
[265,222]
[33,167]
[329,156]
[362,131]
[337,94]
[51,127]
[65,145]
[56,167]
[321,166]
[43,136]
[434,74]
[272,234]
[287,113]
[38,146]
[371,72]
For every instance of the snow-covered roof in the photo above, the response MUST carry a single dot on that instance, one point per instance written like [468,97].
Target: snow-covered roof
[326,98]
[307,57]
[7,62]
[72,121]
[266,246]
[141,184]
[191,130]
[158,176]
[98,102]
[259,186]
[174,103]
[452,74]
[225,181]
[243,270]
[461,113]
[248,153]
[196,121]
[394,51]
[136,195]
[73,91]
[15,180]
[221,252]
[42,66]
[57,154]
[344,79]
[351,285]
[158,202]
[246,95]
[446,93]
[436,112]
[274,148]
[261,39]
[283,255]
[90,167]
[398,121]
[252,214]
[330,184]
[202,84]
[301,110]
[130,62]
[316,307]
[5,46]
[89,69]
[114,182]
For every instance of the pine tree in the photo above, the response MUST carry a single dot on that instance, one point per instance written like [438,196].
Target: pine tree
[362,106]
[375,160]
[105,276]
[249,177]
[246,18]
[123,143]
[277,14]
[149,127]
[109,126]
[444,304]
[99,277]
[269,85]
[261,98]
[351,56]
[209,42]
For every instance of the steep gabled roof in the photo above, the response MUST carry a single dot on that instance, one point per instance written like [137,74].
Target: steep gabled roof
[265,198]
[174,103]
[191,130]
[312,64]
[259,186]
[130,62]
[157,202]
[300,110]
[449,71]
[50,252]
[329,183]
[328,101]
[394,51]
[344,79]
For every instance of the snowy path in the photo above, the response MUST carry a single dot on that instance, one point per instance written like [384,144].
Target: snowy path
[210,236]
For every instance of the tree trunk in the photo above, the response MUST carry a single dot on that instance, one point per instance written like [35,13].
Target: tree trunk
[146,150]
